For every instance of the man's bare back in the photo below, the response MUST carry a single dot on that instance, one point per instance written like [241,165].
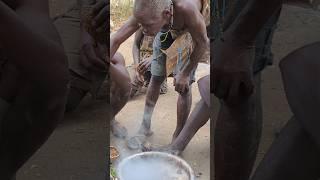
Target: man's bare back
[179,19]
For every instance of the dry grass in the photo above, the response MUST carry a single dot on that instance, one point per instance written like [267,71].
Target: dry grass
[121,10]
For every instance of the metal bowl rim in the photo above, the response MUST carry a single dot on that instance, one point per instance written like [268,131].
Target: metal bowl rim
[161,154]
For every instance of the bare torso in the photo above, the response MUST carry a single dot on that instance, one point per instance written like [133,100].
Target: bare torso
[179,18]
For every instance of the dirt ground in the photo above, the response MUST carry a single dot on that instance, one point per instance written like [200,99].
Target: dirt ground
[77,148]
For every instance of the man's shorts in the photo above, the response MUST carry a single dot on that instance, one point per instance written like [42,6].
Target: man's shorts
[158,64]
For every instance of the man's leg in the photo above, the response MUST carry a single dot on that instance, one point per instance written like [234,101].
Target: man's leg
[152,96]
[158,72]
[183,111]
[79,87]
[237,136]
[238,129]
[151,100]
[68,27]
[184,101]
[25,129]
[293,155]
[119,97]
[300,72]
[198,117]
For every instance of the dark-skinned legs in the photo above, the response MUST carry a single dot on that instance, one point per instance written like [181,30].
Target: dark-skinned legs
[183,111]
[22,136]
[238,129]
[295,153]
[301,72]
[118,97]
[68,26]
[237,136]
[151,100]
[183,106]
[198,118]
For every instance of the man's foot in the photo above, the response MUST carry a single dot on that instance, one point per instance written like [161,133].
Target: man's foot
[136,141]
[118,130]
[146,147]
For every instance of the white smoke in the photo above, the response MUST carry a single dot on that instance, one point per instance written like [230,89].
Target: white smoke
[152,169]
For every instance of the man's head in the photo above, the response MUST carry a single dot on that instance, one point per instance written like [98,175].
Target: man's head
[152,14]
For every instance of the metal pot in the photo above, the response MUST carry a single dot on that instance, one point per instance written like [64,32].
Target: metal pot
[164,157]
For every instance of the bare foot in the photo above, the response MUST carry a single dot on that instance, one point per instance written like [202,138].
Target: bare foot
[118,130]
[145,131]
[136,141]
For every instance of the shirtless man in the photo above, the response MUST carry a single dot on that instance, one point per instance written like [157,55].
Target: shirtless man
[33,84]
[158,17]
[86,62]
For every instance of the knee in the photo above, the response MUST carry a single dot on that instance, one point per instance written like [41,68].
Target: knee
[157,80]
[301,61]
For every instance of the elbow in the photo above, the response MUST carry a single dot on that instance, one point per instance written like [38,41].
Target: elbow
[203,44]
[206,43]
[114,40]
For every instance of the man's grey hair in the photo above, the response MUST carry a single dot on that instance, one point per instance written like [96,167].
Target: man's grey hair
[156,7]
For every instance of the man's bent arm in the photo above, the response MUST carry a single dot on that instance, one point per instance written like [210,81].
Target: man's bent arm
[136,46]
[197,29]
[122,34]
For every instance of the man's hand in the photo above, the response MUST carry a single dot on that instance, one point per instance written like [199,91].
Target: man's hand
[100,14]
[181,83]
[144,65]
[92,57]
[232,75]
[139,79]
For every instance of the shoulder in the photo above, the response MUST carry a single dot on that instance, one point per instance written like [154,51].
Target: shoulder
[187,8]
